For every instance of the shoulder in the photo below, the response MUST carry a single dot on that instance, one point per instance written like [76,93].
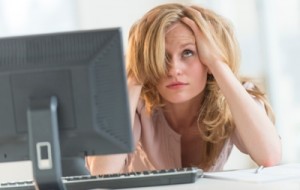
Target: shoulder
[256,93]
[248,85]
[254,87]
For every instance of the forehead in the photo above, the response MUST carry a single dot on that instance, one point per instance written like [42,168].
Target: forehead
[179,30]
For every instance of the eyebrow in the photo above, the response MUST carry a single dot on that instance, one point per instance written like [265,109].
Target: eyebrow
[188,44]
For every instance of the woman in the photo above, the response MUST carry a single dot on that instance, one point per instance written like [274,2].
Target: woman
[188,104]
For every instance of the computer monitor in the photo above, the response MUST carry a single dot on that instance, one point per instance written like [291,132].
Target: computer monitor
[63,96]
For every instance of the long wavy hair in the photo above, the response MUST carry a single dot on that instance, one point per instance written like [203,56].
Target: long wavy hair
[146,62]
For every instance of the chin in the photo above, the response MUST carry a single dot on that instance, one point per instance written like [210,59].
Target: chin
[178,100]
[175,99]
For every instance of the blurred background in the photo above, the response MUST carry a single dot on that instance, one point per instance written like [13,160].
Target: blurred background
[268,32]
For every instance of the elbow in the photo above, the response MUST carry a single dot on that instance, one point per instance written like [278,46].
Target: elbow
[272,159]
[271,162]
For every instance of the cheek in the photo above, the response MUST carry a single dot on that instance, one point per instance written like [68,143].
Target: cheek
[200,71]
[160,88]
[200,77]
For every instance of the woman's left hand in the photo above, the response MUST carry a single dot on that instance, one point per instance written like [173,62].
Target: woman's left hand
[208,51]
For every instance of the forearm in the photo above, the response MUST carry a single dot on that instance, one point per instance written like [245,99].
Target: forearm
[114,163]
[134,91]
[106,164]
[256,130]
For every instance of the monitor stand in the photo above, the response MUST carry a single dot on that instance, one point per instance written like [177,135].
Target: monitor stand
[74,166]
[44,143]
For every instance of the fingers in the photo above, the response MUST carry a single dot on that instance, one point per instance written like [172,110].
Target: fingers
[201,23]
[204,32]
[200,39]
[189,22]
[199,26]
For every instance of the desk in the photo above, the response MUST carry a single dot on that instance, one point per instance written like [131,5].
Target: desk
[200,184]
[212,184]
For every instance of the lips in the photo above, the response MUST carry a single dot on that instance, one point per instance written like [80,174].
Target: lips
[175,85]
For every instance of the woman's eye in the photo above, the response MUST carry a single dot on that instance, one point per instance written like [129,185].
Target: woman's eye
[187,53]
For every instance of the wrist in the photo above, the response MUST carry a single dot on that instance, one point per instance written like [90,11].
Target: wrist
[217,66]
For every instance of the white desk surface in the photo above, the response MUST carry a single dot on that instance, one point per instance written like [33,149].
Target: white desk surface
[281,177]
[201,184]
[212,184]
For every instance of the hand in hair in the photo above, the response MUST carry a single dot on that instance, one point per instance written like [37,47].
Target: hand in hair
[208,51]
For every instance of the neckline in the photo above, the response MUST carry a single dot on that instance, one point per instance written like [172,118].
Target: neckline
[167,126]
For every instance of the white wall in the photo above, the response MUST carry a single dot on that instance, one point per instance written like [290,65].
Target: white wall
[115,13]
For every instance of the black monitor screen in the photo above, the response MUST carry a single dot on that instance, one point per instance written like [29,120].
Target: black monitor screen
[63,96]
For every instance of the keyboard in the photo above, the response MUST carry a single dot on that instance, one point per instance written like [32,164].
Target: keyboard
[118,181]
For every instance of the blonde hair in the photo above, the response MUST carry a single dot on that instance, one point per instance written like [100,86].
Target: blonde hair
[146,62]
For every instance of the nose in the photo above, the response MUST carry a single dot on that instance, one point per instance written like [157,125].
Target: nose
[175,68]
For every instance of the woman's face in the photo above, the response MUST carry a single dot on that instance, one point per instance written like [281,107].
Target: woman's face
[187,76]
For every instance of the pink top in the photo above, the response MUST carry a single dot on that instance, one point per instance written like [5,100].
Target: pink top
[158,146]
